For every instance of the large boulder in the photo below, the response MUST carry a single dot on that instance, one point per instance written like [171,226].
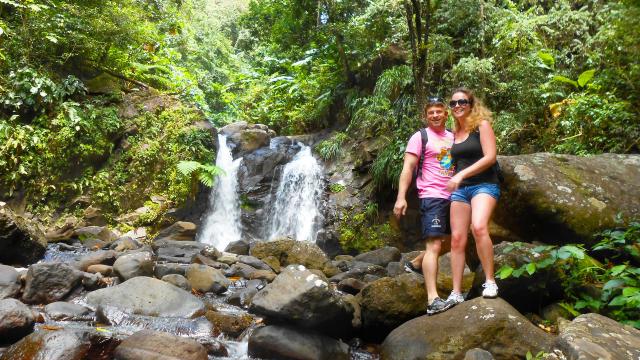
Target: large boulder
[135,264]
[381,257]
[61,344]
[246,137]
[207,279]
[564,198]
[9,282]
[22,242]
[593,336]
[299,297]
[389,302]
[49,282]
[489,324]
[61,311]
[290,252]
[181,231]
[147,344]
[177,251]
[148,296]
[16,320]
[286,343]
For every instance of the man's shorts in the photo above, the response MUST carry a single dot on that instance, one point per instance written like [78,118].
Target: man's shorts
[434,217]
[466,193]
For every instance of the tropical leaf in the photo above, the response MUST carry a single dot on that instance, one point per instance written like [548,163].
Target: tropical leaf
[546,58]
[585,77]
[187,167]
[565,80]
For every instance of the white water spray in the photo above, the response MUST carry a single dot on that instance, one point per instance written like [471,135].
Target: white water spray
[296,210]
[222,223]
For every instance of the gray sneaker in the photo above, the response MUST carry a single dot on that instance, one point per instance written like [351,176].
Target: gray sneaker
[455,298]
[438,305]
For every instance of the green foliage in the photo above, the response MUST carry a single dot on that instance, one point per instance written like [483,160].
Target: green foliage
[359,231]
[336,188]
[617,282]
[332,148]
[205,173]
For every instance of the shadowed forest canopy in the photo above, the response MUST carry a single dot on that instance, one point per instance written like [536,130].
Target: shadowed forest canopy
[559,76]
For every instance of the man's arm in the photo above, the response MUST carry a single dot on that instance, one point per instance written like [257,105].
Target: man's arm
[408,168]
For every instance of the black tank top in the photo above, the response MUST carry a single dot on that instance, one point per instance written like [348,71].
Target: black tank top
[466,154]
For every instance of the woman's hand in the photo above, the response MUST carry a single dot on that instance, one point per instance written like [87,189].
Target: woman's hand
[454,183]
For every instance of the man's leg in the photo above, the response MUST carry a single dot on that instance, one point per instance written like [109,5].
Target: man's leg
[430,266]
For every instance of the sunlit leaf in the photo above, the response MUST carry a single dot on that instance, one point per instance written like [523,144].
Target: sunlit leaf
[585,77]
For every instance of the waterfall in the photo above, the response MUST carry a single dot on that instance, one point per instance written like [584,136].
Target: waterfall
[222,222]
[296,209]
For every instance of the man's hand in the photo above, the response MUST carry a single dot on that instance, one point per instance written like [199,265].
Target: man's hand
[400,208]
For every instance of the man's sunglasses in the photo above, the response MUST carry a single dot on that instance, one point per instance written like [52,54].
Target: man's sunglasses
[435,100]
[461,102]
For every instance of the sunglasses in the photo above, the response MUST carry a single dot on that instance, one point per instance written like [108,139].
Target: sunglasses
[435,100]
[461,102]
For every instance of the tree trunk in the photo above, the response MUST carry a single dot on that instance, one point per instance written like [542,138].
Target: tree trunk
[419,22]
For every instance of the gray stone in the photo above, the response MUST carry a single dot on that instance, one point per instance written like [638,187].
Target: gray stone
[381,257]
[60,311]
[16,320]
[490,324]
[177,251]
[286,343]
[95,232]
[207,279]
[9,282]
[181,231]
[163,269]
[49,282]
[136,264]
[177,280]
[478,354]
[106,257]
[21,240]
[240,247]
[593,336]
[148,296]
[147,344]
[62,344]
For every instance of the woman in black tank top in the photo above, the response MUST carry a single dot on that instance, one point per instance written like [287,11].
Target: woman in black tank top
[475,187]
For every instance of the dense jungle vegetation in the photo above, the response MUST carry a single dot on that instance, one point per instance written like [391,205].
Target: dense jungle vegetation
[560,76]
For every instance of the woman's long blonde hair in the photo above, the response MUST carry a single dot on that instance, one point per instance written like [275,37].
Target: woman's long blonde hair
[479,111]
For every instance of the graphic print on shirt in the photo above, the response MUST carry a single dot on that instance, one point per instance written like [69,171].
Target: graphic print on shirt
[445,159]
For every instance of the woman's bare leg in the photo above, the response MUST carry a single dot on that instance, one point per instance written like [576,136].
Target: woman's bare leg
[482,206]
[460,220]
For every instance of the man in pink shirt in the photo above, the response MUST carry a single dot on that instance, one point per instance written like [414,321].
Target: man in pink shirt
[437,169]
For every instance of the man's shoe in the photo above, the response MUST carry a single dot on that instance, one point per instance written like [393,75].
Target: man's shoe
[408,267]
[490,290]
[455,298]
[438,305]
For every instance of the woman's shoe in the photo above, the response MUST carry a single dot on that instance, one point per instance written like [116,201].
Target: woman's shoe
[490,290]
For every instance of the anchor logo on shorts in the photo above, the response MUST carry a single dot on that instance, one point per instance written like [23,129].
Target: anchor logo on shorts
[435,223]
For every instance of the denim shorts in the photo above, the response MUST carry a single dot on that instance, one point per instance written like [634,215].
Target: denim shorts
[466,193]
[434,217]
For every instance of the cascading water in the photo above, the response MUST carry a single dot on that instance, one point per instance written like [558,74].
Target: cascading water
[222,223]
[296,210]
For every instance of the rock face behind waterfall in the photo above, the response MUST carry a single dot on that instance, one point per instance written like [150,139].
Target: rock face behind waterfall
[563,198]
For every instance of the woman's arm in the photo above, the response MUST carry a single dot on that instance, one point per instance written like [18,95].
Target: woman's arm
[488,142]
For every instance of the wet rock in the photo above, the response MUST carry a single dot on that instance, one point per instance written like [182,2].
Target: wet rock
[177,251]
[106,257]
[60,311]
[21,240]
[246,137]
[299,297]
[148,296]
[51,345]
[389,302]
[163,269]
[198,327]
[229,324]
[254,262]
[94,216]
[49,282]
[395,268]
[593,336]
[64,231]
[16,320]
[9,282]
[228,258]
[563,199]
[490,324]
[273,263]
[330,269]
[136,264]
[101,233]
[210,252]
[204,260]
[351,286]
[177,280]
[148,344]
[240,247]
[207,279]
[280,342]
[181,231]
[380,257]
[290,252]
[243,297]
[241,270]
[104,270]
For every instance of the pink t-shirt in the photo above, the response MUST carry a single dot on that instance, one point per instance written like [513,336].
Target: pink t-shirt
[437,167]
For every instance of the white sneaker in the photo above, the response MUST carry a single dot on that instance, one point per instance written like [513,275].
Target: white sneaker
[455,298]
[490,290]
